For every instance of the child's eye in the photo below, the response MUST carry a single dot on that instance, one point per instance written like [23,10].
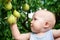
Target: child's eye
[35,19]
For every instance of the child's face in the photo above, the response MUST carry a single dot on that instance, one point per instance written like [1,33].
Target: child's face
[37,23]
[42,21]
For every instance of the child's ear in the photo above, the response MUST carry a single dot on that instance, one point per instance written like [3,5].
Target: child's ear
[46,24]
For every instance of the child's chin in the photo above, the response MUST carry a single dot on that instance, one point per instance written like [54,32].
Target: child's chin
[33,31]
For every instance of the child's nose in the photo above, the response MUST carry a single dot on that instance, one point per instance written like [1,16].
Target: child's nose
[31,22]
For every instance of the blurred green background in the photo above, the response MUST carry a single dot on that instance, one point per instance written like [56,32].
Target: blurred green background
[24,21]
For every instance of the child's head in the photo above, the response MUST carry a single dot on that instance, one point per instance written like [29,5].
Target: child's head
[42,21]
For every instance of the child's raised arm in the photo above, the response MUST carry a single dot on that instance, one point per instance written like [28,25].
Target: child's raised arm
[17,35]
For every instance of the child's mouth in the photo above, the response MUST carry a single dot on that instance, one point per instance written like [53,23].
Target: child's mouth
[31,25]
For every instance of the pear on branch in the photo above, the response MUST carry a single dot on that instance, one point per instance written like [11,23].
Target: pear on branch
[11,19]
[16,14]
[25,7]
[8,6]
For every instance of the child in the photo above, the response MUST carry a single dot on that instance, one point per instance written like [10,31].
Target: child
[41,26]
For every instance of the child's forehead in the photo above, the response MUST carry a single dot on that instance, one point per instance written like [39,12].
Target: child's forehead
[40,13]
[43,13]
